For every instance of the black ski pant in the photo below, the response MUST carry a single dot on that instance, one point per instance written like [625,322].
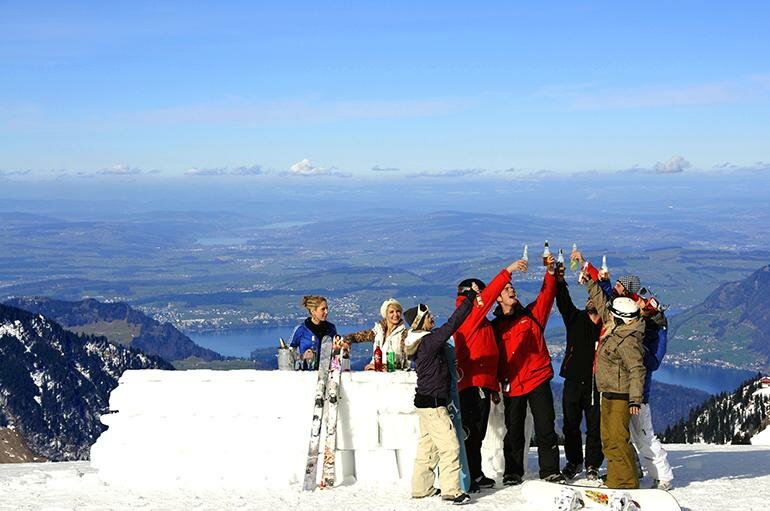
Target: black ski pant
[541,403]
[474,410]
[578,402]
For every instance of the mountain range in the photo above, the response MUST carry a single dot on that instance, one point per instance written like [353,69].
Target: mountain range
[54,384]
[732,418]
[120,323]
[731,327]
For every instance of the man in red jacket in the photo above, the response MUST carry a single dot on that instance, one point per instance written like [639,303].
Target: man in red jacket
[525,371]
[477,361]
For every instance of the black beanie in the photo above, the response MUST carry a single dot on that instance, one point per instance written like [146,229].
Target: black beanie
[467,285]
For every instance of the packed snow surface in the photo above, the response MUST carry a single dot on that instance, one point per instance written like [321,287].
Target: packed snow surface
[708,477]
[238,440]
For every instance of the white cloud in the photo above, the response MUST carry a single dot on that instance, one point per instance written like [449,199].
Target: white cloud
[5,173]
[305,168]
[451,173]
[377,168]
[674,165]
[759,166]
[205,172]
[254,170]
[121,169]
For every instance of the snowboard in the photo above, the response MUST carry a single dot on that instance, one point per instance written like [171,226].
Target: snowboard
[330,445]
[453,407]
[570,497]
[319,409]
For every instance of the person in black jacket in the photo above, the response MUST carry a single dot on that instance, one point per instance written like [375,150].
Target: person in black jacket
[438,443]
[580,396]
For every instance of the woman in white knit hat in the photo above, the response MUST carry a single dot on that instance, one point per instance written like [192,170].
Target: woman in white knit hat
[388,333]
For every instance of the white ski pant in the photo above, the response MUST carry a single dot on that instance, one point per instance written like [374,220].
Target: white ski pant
[438,445]
[651,453]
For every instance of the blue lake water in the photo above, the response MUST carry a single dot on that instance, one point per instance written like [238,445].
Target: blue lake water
[708,379]
[240,343]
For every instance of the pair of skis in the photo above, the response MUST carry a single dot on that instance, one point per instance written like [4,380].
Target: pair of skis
[325,406]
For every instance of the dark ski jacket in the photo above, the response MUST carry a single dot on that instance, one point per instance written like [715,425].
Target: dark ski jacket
[655,343]
[427,351]
[303,337]
[582,336]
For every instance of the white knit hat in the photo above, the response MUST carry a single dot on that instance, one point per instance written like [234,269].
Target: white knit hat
[387,303]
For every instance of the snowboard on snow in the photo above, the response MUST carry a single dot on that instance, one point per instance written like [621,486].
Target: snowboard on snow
[453,407]
[319,410]
[330,445]
[567,497]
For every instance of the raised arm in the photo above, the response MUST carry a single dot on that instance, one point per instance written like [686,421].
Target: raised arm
[541,307]
[362,336]
[488,296]
[435,340]
[599,299]
[564,303]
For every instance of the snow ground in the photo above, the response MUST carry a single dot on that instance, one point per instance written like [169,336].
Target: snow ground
[708,477]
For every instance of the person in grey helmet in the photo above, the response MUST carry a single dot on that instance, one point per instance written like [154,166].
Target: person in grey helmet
[619,377]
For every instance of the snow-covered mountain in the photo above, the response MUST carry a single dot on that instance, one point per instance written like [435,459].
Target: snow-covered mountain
[726,418]
[120,323]
[54,384]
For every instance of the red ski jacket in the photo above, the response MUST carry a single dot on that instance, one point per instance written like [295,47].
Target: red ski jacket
[524,359]
[475,344]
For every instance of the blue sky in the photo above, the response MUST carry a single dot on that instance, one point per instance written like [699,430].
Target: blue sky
[451,89]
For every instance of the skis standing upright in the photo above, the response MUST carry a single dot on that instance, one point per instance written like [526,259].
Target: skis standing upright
[328,473]
[324,362]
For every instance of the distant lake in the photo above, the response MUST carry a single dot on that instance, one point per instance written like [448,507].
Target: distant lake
[240,343]
[708,379]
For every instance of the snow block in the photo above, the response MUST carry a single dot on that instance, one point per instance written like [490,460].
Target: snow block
[247,428]
[398,431]
[378,466]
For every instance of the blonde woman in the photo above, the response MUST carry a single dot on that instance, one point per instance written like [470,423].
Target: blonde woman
[307,336]
[389,333]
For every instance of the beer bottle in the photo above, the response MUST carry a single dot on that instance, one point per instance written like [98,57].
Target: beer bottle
[525,256]
[546,253]
[560,263]
[391,361]
[604,263]
[573,263]
[378,358]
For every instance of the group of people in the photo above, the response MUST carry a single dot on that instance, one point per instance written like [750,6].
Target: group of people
[613,346]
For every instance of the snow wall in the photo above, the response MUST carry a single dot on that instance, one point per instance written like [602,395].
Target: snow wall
[247,427]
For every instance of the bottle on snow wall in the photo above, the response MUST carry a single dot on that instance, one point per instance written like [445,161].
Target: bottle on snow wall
[378,358]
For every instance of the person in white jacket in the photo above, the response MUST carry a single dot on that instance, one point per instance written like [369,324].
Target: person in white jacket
[389,334]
